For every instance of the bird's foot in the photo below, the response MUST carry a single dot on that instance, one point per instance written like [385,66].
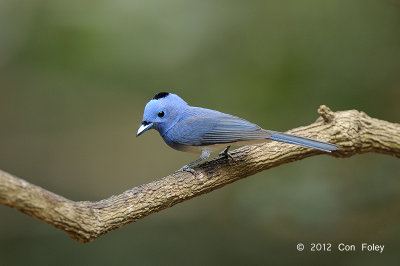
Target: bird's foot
[225,153]
[205,153]
[186,169]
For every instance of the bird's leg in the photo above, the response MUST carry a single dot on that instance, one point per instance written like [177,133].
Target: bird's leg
[225,153]
[205,153]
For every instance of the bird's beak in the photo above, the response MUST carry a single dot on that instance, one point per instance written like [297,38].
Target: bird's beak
[143,128]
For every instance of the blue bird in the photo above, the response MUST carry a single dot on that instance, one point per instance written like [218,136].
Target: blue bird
[199,130]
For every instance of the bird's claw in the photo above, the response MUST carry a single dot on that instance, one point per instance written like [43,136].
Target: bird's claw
[226,154]
[186,169]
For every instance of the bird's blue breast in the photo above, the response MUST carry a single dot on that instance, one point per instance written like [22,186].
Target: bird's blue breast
[173,142]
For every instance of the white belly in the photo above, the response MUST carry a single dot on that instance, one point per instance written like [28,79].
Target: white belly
[218,147]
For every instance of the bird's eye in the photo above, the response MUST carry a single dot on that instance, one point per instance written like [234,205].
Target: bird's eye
[161,114]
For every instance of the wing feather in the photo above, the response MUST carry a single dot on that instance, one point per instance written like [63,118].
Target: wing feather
[205,130]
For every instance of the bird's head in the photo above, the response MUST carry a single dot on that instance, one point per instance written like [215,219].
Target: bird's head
[161,112]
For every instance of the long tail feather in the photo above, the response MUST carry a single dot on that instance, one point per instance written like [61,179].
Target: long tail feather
[306,142]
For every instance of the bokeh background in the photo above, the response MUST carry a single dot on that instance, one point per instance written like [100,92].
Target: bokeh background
[76,75]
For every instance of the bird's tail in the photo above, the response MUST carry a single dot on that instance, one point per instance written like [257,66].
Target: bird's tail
[306,142]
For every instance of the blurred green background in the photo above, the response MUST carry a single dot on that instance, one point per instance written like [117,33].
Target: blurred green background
[76,75]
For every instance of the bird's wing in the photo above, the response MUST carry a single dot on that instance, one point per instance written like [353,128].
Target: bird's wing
[205,130]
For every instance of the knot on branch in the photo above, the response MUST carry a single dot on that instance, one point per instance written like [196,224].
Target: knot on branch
[326,113]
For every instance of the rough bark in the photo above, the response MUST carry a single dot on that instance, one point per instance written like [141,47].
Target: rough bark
[84,221]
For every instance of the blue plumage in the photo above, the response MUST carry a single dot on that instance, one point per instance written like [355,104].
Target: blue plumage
[195,129]
[306,142]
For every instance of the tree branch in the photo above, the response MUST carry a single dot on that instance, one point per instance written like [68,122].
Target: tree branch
[84,221]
